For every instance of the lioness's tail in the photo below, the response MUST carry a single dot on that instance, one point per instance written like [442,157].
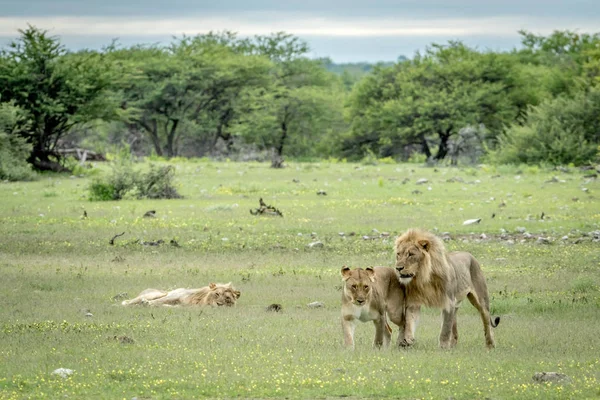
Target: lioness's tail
[494,321]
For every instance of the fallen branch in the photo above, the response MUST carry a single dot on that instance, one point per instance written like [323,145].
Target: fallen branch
[112,241]
[265,209]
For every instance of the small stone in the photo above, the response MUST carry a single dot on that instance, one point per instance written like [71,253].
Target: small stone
[544,377]
[63,372]
[483,236]
[341,234]
[527,235]
[472,221]
[274,307]
[521,229]
[542,240]
[321,193]
[315,304]
[421,181]
[89,314]
[120,296]
[510,241]
[316,245]
[564,238]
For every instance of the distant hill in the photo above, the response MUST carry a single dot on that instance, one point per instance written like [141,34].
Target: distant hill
[353,72]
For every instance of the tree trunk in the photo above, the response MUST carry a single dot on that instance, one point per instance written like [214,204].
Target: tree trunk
[277,161]
[171,149]
[153,132]
[443,149]
[40,159]
[426,148]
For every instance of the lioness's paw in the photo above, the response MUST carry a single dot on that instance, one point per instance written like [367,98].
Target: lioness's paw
[406,342]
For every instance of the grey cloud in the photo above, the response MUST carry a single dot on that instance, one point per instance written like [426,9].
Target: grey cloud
[339,8]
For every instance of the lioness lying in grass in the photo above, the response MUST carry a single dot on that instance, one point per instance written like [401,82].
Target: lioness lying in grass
[215,294]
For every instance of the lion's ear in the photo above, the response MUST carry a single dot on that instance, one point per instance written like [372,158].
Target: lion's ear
[212,286]
[237,294]
[424,244]
[371,274]
[345,273]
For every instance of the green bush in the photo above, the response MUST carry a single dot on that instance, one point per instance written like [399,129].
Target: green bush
[14,150]
[559,131]
[125,180]
[101,191]
[157,183]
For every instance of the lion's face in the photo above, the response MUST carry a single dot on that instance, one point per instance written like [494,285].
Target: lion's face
[410,257]
[222,295]
[358,284]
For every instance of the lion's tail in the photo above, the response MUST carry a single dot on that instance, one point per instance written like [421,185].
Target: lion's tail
[388,327]
[495,321]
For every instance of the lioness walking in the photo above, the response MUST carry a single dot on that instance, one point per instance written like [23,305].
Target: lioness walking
[436,278]
[370,295]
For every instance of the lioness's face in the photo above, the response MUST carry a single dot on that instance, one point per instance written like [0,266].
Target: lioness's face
[223,296]
[409,257]
[358,284]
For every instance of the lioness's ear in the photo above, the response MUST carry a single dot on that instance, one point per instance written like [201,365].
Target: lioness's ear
[371,274]
[424,244]
[212,286]
[345,273]
[237,294]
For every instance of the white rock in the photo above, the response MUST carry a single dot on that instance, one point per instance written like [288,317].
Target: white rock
[421,181]
[472,221]
[315,245]
[63,372]
[316,304]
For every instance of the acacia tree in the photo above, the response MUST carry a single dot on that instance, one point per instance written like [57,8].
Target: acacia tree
[58,90]
[188,84]
[428,100]
[300,107]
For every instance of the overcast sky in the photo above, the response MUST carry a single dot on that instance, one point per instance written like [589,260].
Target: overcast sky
[345,30]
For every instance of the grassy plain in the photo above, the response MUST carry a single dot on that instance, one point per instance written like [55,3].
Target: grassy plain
[55,266]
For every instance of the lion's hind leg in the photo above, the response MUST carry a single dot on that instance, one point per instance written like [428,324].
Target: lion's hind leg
[383,332]
[485,318]
[145,297]
[454,337]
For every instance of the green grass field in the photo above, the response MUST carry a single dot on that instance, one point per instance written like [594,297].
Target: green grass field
[56,266]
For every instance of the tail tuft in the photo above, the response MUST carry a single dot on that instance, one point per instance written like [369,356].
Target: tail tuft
[495,321]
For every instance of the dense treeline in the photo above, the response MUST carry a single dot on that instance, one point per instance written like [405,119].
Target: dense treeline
[219,94]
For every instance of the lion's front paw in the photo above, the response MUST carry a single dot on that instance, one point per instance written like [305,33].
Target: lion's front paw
[406,342]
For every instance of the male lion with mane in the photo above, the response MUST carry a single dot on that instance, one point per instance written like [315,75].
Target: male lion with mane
[436,278]
[370,295]
[215,294]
